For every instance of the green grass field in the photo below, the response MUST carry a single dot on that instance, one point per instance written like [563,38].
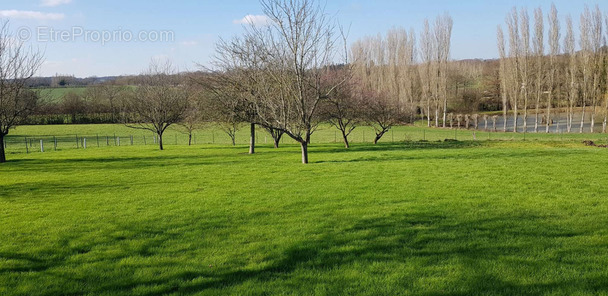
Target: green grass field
[55,94]
[419,218]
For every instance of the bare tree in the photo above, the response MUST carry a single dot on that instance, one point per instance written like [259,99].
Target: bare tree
[443,36]
[539,53]
[554,39]
[382,112]
[503,74]
[159,101]
[343,107]
[605,121]
[194,116]
[570,50]
[525,57]
[427,68]
[514,84]
[298,48]
[596,25]
[585,63]
[18,64]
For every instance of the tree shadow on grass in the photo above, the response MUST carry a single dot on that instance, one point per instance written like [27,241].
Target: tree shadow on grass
[412,152]
[499,256]
[423,242]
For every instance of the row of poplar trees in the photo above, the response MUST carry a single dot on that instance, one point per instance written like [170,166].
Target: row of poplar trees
[568,76]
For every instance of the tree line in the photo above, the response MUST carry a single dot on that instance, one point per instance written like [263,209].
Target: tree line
[535,80]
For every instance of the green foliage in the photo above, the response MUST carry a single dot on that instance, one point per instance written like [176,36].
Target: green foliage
[459,218]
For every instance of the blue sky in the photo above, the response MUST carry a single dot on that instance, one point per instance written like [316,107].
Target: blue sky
[195,26]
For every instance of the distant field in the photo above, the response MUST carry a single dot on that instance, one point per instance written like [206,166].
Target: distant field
[56,94]
[451,218]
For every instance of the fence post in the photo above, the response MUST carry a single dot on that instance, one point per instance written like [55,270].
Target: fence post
[107,141]
[115,144]
[55,143]
[118,141]
[26,148]
[84,143]
[131,140]
[41,146]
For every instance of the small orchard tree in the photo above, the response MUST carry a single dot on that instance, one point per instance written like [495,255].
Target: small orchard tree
[342,109]
[194,115]
[17,65]
[382,113]
[159,100]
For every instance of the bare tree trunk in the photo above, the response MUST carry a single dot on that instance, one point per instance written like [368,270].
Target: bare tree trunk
[582,127]
[515,119]
[570,117]
[378,137]
[536,117]
[605,122]
[549,113]
[485,119]
[160,140]
[252,139]
[436,116]
[276,136]
[345,137]
[445,108]
[304,146]
[190,139]
[2,153]
[591,129]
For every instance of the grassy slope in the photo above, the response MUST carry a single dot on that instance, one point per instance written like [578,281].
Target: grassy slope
[437,218]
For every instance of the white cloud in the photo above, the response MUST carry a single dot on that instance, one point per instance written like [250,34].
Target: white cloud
[256,20]
[53,3]
[36,15]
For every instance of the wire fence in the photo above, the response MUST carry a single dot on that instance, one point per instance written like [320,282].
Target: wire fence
[48,143]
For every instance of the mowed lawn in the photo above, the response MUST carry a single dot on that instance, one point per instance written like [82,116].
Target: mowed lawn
[455,218]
